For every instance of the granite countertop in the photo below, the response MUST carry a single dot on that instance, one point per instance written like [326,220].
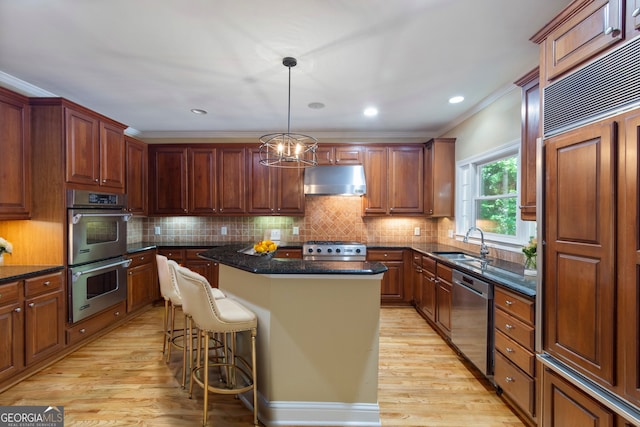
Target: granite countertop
[10,273]
[233,256]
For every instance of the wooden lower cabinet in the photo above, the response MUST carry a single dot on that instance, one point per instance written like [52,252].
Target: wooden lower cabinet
[429,284]
[31,322]
[142,282]
[444,286]
[565,405]
[395,288]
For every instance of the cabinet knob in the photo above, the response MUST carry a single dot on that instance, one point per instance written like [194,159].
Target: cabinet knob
[510,379]
[97,180]
[635,12]
[47,283]
[142,258]
[386,255]
[508,326]
[117,313]
[83,330]
[507,302]
[130,273]
[18,310]
[184,210]
[32,304]
[104,180]
[509,350]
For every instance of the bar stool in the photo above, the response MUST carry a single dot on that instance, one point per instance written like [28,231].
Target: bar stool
[219,316]
[172,301]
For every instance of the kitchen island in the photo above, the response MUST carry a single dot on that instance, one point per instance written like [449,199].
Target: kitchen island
[318,329]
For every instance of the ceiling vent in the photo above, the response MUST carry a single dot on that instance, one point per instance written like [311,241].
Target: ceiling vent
[607,86]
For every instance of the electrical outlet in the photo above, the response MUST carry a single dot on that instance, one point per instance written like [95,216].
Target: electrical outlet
[416,231]
[275,235]
[156,230]
[223,231]
[296,231]
[450,234]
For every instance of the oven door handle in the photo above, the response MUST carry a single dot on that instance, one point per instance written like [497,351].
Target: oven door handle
[125,263]
[76,218]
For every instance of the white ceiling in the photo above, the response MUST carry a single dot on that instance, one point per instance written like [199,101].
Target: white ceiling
[147,63]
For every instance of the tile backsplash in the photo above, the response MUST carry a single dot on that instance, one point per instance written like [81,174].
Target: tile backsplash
[327,218]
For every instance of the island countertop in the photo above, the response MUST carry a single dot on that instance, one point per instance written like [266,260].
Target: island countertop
[233,256]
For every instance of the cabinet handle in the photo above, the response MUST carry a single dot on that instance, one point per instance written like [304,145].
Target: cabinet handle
[32,304]
[18,310]
[104,180]
[83,330]
[507,302]
[141,258]
[130,273]
[635,12]
[609,30]
[97,180]
[510,380]
[386,255]
[184,210]
[47,283]
[509,350]
[508,326]
[117,313]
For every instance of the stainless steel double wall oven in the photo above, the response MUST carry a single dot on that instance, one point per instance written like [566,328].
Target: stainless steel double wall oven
[97,233]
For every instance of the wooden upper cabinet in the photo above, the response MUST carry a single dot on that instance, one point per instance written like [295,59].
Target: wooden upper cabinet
[530,133]
[136,177]
[580,270]
[376,173]
[168,180]
[202,180]
[439,177]
[331,155]
[15,146]
[231,180]
[582,31]
[273,191]
[95,150]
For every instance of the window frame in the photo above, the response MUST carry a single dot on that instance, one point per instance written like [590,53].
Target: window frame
[467,192]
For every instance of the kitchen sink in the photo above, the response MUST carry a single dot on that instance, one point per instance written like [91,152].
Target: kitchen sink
[461,257]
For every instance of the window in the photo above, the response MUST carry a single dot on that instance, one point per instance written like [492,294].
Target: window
[488,196]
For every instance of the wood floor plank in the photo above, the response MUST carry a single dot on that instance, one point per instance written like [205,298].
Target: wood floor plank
[121,379]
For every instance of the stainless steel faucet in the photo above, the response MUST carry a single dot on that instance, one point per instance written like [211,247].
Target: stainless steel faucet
[484,250]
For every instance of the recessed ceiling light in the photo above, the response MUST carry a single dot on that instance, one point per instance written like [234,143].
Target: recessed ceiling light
[456,99]
[198,111]
[316,105]
[370,111]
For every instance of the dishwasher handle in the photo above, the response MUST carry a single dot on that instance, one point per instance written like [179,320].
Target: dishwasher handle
[478,286]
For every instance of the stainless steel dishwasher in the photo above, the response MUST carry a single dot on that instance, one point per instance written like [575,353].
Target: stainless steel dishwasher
[472,320]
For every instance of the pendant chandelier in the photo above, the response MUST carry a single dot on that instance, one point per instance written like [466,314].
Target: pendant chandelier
[288,150]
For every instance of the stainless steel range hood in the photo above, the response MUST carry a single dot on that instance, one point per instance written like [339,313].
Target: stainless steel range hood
[335,180]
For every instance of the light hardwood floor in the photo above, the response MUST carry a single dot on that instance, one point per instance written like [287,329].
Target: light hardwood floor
[121,379]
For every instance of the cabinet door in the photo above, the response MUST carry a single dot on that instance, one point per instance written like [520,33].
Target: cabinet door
[443,314]
[290,192]
[429,292]
[205,267]
[112,163]
[406,180]
[11,330]
[592,30]
[392,286]
[83,155]
[349,155]
[136,176]
[15,144]
[231,180]
[439,173]
[44,326]
[375,170]
[140,286]
[580,273]
[629,253]
[202,180]
[168,193]
[259,182]
[529,135]
[565,405]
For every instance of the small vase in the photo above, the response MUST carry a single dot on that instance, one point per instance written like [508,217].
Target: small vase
[530,268]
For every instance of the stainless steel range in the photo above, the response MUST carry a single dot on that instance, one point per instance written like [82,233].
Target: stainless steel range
[319,250]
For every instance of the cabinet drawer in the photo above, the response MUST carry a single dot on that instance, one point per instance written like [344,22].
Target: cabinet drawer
[517,306]
[429,264]
[141,258]
[9,293]
[288,253]
[515,383]
[192,254]
[42,284]
[417,258]
[444,272]
[519,355]
[174,254]
[95,324]
[381,255]
[515,329]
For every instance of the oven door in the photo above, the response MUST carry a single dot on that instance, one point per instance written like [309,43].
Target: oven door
[96,234]
[96,286]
